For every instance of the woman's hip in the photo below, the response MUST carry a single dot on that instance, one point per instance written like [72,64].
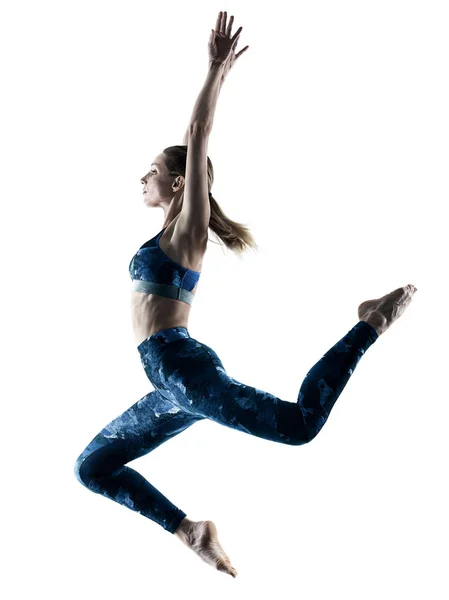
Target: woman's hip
[175,362]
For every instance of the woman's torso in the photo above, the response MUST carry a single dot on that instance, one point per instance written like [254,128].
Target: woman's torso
[151,313]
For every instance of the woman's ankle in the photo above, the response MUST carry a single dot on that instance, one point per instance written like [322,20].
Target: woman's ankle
[183,528]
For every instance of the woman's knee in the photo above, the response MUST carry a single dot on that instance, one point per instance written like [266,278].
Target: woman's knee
[89,467]
[298,438]
[293,425]
[79,472]
[101,458]
[89,470]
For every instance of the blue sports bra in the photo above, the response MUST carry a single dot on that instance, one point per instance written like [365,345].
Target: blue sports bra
[153,272]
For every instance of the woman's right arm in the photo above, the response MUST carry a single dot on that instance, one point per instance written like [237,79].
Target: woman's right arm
[206,97]
[221,59]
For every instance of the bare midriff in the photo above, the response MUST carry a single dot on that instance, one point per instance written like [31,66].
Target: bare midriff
[151,313]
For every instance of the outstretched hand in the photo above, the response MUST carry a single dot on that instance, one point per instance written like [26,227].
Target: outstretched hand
[222,46]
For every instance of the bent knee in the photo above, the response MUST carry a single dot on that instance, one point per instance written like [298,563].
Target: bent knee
[87,469]
[80,472]
[299,441]
[300,436]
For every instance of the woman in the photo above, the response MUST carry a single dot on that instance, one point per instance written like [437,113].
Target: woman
[190,382]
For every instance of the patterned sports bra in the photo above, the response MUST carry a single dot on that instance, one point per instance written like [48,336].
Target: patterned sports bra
[153,272]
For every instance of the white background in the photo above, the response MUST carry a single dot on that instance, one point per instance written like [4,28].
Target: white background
[330,142]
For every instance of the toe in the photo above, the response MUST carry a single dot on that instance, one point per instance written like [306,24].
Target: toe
[223,566]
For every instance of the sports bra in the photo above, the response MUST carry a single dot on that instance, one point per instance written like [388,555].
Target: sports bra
[153,272]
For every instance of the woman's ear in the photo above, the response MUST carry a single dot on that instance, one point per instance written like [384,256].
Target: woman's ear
[179,183]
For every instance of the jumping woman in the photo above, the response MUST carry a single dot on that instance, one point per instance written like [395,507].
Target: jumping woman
[190,382]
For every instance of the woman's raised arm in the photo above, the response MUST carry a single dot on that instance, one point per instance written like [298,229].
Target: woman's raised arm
[204,110]
[221,59]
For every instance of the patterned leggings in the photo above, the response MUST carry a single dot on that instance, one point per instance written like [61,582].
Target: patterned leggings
[191,384]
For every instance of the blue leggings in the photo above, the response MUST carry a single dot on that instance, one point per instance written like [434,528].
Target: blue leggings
[191,384]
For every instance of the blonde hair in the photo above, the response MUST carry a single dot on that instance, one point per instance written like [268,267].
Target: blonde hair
[234,235]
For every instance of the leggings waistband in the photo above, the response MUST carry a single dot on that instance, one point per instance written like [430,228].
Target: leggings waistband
[164,336]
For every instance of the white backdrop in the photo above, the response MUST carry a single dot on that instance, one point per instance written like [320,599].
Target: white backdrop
[330,143]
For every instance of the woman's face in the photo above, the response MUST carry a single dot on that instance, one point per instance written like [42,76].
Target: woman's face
[156,184]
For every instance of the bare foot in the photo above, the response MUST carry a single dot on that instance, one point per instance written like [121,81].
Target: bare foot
[381,313]
[201,537]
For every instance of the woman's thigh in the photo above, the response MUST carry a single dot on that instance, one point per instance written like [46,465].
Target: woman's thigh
[144,426]
[191,375]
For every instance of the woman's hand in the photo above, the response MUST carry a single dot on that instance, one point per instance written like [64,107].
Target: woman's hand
[222,46]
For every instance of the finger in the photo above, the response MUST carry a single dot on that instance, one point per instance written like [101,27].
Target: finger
[236,35]
[228,32]
[223,22]
[234,43]
[218,23]
[241,52]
